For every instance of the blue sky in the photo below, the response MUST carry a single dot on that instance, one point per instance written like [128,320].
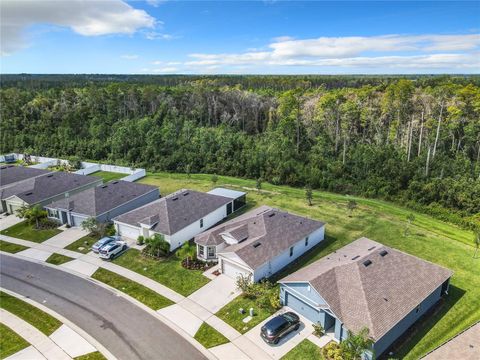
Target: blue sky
[242,37]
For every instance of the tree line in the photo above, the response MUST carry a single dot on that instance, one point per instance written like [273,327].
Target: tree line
[411,140]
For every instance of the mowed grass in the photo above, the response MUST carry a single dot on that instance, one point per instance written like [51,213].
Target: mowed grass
[96,355]
[83,244]
[10,247]
[108,176]
[306,350]
[26,231]
[10,342]
[141,293]
[209,337]
[430,239]
[168,272]
[58,259]
[34,316]
[231,315]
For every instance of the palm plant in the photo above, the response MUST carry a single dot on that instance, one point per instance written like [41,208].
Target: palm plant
[356,344]
[32,214]
[351,206]
[187,251]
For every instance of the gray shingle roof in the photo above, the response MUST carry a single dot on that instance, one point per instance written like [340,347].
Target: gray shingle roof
[46,186]
[377,296]
[275,230]
[11,174]
[174,212]
[101,199]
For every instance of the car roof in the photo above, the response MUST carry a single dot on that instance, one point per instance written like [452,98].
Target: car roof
[275,322]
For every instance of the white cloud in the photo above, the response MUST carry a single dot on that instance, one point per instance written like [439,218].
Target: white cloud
[87,18]
[167,69]
[153,35]
[129,56]
[388,51]
[155,3]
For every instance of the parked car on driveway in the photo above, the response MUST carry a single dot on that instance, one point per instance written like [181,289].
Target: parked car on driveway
[279,326]
[112,249]
[104,241]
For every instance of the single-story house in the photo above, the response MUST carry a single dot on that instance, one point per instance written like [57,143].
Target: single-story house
[366,284]
[178,217]
[260,242]
[45,189]
[102,202]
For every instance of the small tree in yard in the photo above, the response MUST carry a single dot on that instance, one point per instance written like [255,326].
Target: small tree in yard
[187,251]
[258,184]
[157,246]
[32,214]
[214,179]
[93,226]
[410,220]
[476,241]
[356,344]
[187,170]
[309,195]
[351,206]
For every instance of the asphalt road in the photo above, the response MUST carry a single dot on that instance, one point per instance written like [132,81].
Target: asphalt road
[125,329]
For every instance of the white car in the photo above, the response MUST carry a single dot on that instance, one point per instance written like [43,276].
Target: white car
[111,249]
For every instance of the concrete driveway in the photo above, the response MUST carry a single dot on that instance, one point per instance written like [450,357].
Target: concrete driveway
[216,294]
[66,237]
[287,343]
[7,221]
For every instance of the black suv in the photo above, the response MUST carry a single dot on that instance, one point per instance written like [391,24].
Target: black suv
[279,326]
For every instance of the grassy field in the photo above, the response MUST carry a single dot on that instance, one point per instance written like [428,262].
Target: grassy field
[34,316]
[58,259]
[10,247]
[83,244]
[306,350]
[10,342]
[168,272]
[26,231]
[209,337]
[108,176]
[430,239]
[141,293]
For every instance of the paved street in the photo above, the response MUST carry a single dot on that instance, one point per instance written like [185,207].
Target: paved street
[127,331]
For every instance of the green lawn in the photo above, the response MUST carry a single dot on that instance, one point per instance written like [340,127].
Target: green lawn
[36,317]
[58,259]
[430,239]
[230,314]
[10,247]
[306,350]
[96,355]
[108,176]
[209,337]
[83,244]
[26,231]
[141,293]
[10,342]
[168,272]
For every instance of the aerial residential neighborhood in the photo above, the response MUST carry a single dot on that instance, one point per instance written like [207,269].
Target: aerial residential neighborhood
[239,180]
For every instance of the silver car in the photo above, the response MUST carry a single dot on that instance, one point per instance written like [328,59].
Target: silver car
[104,241]
[111,249]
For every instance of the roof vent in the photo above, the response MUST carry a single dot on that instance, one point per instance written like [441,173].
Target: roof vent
[3,167]
[367,263]
[104,186]
[175,198]
[29,193]
[186,193]
[370,249]
[115,182]
[383,253]
[356,257]
[271,215]
[49,175]
[257,244]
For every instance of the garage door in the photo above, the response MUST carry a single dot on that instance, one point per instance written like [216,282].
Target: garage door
[301,307]
[13,208]
[128,231]
[77,220]
[233,271]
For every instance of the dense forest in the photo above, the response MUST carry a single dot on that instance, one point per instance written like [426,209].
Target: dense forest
[414,140]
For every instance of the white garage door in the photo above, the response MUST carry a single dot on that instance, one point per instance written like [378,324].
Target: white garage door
[128,231]
[77,220]
[233,271]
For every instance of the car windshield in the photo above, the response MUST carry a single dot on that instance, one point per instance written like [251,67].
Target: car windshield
[274,325]
[289,317]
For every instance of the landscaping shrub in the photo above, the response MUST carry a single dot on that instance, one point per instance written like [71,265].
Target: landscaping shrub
[275,300]
[157,247]
[332,351]
[44,224]
[318,329]
[140,240]
[264,292]
[195,264]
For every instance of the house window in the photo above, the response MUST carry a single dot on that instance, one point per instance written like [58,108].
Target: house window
[306,241]
[52,213]
[291,251]
[201,223]
[211,252]
[201,251]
